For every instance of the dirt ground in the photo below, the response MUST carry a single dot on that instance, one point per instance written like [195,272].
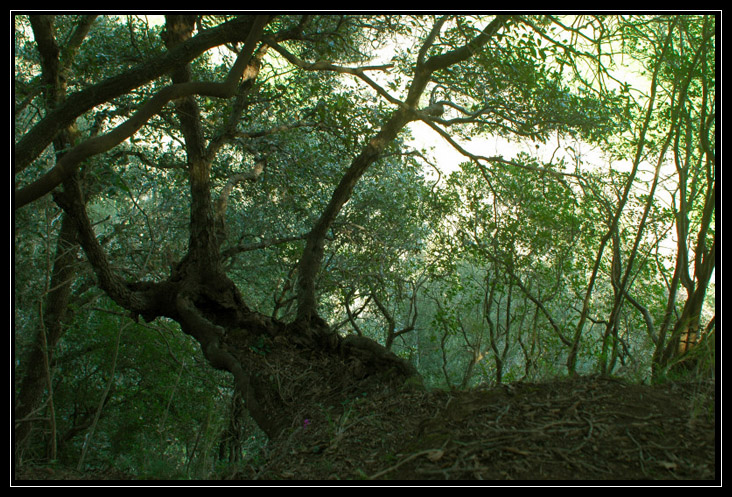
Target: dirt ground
[586,428]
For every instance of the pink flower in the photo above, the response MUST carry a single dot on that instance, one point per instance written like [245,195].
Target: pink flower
[306,423]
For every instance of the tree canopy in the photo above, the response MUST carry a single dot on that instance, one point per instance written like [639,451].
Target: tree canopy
[198,198]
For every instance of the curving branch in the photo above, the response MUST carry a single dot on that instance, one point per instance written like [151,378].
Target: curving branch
[66,166]
[139,298]
[424,71]
[430,40]
[38,138]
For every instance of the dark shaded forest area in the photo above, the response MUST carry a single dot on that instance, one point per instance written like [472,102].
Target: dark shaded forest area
[306,247]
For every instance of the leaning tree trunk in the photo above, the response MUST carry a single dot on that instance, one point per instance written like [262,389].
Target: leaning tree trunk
[312,256]
[282,371]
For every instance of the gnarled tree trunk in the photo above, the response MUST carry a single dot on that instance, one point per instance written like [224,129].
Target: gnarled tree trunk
[280,370]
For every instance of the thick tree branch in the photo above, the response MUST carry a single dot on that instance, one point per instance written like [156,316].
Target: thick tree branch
[430,40]
[99,144]
[424,71]
[145,301]
[312,256]
[38,138]
[228,128]
[49,55]
[76,39]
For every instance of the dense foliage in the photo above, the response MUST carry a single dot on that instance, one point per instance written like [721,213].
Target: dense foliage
[575,233]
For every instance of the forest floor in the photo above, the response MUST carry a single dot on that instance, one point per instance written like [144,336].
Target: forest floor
[585,428]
